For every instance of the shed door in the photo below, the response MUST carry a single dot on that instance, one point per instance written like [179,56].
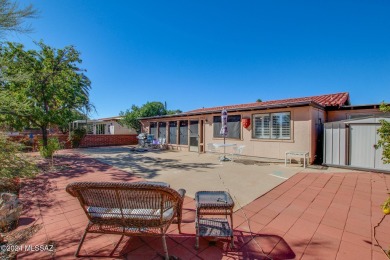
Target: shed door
[362,141]
[378,154]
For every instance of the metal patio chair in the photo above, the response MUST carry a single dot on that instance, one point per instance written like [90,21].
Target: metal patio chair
[211,148]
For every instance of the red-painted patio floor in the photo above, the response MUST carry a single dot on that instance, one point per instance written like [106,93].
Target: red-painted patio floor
[310,216]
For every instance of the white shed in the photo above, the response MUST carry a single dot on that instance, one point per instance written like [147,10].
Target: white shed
[352,143]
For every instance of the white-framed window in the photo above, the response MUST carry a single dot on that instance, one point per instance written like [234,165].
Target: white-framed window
[271,126]
[100,129]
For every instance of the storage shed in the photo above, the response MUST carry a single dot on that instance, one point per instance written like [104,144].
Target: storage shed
[352,143]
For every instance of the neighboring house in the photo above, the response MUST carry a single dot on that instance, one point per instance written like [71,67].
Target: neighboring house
[103,126]
[267,129]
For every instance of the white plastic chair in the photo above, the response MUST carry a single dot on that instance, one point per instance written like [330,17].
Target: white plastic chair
[237,152]
[211,148]
[163,143]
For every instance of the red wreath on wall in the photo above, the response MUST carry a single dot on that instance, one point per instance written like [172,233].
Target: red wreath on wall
[246,122]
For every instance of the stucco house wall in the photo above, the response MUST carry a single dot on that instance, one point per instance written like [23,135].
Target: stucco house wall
[339,115]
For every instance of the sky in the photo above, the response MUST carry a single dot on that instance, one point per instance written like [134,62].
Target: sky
[194,54]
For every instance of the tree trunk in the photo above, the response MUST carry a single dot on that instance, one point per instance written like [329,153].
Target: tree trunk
[44,136]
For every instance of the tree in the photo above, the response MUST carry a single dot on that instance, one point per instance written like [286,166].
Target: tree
[12,17]
[384,135]
[259,100]
[173,112]
[41,87]
[131,116]
[75,115]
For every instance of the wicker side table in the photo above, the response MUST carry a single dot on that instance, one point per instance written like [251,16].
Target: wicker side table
[215,203]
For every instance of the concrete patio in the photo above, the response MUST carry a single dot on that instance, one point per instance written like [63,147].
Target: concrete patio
[312,214]
[195,172]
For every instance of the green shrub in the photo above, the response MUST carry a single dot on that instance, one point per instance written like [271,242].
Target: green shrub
[53,145]
[76,135]
[10,185]
[13,162]
[384,135]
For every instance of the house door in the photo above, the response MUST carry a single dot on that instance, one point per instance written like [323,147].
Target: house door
[194,136]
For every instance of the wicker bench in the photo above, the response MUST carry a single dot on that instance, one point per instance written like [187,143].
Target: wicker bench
[138,208]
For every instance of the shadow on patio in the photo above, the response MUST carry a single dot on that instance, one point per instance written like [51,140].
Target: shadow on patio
[313,214]
[181,246]
[142,163]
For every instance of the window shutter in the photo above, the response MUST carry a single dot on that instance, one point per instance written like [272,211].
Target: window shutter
[286,127]
[261,126]
[274,126]
[281,126]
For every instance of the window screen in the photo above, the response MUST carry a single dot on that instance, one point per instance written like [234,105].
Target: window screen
[233,125]
[172,132]
[162,130]
[183,131]
[153,129]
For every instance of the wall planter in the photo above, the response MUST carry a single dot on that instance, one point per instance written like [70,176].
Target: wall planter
[246,122]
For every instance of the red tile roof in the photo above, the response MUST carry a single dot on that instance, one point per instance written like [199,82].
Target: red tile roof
[338,99]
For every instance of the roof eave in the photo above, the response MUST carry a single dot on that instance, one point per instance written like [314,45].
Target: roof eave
[352,107]
[295,104]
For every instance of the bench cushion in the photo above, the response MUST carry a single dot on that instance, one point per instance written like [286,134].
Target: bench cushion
[98,212]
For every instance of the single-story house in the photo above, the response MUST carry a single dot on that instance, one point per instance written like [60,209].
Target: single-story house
[267,129]
[104,126]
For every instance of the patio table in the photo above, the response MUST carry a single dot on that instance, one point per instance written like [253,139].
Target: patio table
[214,203]
[219,145]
